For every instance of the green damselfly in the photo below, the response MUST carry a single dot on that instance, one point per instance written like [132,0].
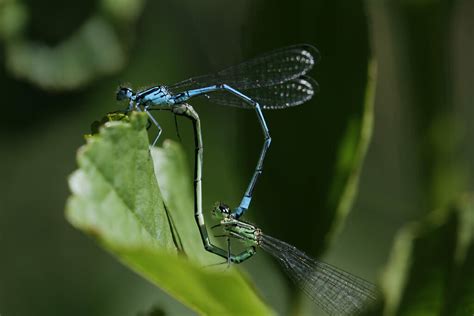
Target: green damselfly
[336,291]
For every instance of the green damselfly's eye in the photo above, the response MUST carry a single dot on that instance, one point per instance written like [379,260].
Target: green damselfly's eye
[224,208]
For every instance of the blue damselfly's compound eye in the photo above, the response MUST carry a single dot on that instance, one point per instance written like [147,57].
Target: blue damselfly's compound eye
[124,93]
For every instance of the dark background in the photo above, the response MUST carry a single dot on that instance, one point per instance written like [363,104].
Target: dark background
[61,64]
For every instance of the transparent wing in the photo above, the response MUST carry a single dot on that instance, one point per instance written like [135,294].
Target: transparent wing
[335,291]
[290,93]
[268,69]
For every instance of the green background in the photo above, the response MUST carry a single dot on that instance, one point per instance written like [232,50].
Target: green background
[61,64]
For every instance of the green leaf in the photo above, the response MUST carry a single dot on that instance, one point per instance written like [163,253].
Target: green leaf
[116,199]
[177,190]
[461,292]
[431,268]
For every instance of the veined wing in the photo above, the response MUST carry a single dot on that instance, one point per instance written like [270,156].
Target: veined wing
[279,96]
[268,69]
[335,291]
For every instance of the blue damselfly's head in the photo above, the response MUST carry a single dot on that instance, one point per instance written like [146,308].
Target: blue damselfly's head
[221,211]
[124,93]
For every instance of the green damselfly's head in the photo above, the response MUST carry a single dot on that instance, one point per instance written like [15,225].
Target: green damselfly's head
[221,211]
[245,232]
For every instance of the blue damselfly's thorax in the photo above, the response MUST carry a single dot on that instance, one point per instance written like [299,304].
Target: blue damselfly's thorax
[154,96]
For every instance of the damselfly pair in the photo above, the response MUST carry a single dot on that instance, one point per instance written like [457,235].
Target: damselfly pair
[275,80]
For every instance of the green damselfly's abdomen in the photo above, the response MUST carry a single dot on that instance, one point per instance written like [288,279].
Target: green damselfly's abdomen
[244,255]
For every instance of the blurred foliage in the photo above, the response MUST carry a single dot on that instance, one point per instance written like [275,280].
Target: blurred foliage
[118,202]
[155,311]
[423,37]
[95,49]
[431,265]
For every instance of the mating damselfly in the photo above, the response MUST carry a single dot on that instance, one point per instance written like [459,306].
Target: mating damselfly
[336,291]
[275,80]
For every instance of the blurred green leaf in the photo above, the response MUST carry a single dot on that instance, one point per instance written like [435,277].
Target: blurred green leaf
[352,150]
[92,51]
[117,201]
[431,270]
[155,311]
[423,45]
[125,10]
[13,16]
[96,47]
